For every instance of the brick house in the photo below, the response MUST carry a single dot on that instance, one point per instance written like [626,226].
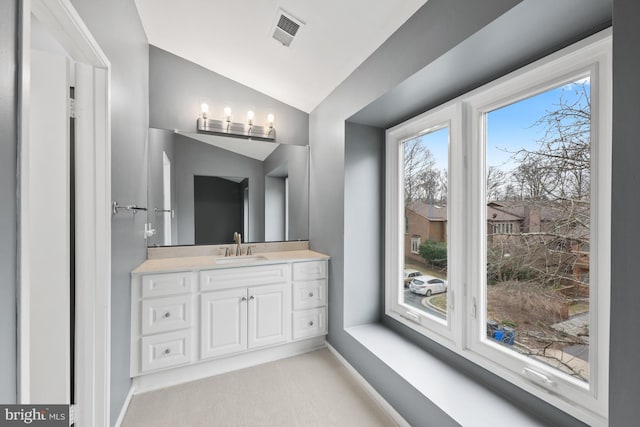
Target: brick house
[505,221]
[423,222]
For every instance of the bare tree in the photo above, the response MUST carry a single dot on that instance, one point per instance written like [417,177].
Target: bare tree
[495,181]
[423,181]
[561,163]
[418,160]
[552,180]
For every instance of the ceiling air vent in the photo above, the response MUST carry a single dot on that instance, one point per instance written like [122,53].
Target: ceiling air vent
[286,27]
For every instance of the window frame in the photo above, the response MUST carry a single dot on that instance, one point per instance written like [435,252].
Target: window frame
[446,116]
[465,329]
[415,240]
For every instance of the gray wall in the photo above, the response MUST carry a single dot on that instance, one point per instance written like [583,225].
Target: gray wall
[197,158]
[8,158]
[432,41]
[177,87]
[274,208]
[624,409]
[160,141]
[117,29]
[296,162]
[363,232]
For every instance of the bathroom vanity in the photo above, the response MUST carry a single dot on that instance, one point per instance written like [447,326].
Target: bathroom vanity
[192,315]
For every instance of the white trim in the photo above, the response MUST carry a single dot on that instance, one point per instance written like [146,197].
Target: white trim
[446,116]
[386,407]
[24,300]
[205,369]
[591,56]
[125,407]
[93,227]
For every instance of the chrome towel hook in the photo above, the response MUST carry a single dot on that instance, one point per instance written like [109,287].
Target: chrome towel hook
[115,207]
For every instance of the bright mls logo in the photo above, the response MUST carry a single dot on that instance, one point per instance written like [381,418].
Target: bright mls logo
[34,415]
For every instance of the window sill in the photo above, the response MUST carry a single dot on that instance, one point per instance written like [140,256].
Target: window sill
[441,384]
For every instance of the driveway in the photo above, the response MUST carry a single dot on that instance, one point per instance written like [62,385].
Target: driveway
[416,301]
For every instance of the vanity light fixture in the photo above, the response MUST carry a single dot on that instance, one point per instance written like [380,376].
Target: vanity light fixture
[225,126]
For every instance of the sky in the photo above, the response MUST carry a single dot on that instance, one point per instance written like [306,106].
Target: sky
[509,128]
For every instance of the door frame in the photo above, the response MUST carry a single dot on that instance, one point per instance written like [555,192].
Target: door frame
[93,219]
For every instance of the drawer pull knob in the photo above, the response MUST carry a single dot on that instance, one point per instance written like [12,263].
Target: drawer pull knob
[167,351]
[243,299]
[310,294]
[310,322]
[167,315]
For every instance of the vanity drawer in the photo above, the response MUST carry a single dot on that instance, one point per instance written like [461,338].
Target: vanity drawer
[166,350]
[157,285]
[309,294]
[309,270]
[166,314]
[309,323]
[225,278]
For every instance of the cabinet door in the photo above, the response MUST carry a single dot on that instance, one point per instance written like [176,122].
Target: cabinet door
[223,322]
[269,315]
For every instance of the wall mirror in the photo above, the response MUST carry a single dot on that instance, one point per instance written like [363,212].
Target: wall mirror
[203,188]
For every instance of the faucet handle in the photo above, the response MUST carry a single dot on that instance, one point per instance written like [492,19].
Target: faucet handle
[249,251]
[227,252]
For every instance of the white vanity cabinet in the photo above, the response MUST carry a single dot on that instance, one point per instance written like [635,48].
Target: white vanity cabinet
[162,321]
[184,318]
[309,299]
[237,317]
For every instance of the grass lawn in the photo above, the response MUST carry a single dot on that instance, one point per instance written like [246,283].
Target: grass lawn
[440,301]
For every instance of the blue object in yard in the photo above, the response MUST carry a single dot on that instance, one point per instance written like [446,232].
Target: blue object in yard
[509,335]
[492,327]
[505,335]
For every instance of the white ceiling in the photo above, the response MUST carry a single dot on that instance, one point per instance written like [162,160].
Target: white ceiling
[233,38]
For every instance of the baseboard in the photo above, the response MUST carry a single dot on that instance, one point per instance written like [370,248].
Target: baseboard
[197,371]
[370,390]
[125,406]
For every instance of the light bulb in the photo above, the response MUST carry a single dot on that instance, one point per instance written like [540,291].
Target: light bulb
[227,114]
[270,119]
[205,110]
[250,117]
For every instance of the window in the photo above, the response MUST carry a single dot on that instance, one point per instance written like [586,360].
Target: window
[509,188]
[415,245]
[422,154]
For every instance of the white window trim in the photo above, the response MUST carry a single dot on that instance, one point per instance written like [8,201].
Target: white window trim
[449,116]
[464,332]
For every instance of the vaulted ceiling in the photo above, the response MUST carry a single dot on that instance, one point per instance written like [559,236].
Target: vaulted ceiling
[234,39]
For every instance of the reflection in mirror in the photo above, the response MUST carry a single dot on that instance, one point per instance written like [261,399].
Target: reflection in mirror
[203,188]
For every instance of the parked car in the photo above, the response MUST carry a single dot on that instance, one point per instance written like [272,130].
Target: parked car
[409,275]
[427,285]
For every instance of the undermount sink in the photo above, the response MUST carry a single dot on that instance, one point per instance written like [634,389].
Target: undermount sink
[240,259]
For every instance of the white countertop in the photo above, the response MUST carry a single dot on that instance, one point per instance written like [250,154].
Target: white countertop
[165,265]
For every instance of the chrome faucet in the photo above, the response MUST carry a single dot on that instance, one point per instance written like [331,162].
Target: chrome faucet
[237,238]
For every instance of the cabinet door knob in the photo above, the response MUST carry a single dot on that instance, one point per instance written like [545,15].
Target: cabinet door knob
[167,315]
[243,299]
[310,322]
[252,297]
[310,294]
[167,351]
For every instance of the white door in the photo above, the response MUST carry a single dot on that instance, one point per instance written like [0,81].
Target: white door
[269,315]
[223,322]
[49,234]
